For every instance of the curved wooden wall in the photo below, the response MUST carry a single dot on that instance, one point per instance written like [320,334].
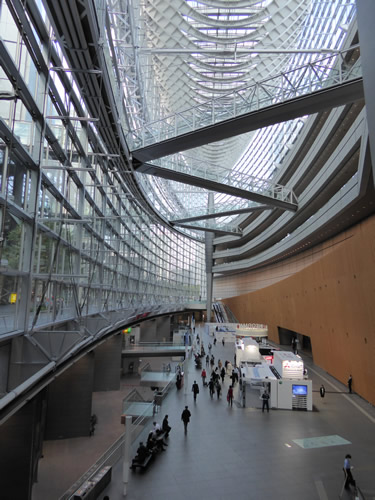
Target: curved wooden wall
[332,301]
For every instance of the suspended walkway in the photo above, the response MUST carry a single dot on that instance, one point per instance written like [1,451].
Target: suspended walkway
[328,82]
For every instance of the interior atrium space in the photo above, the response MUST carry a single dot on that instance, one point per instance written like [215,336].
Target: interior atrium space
[165,160]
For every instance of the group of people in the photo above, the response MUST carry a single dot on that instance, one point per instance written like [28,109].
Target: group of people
[155,442]
[220,371]
[217,373]
[214,383]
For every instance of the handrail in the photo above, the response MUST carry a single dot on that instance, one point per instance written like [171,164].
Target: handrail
[156,344]
[182,164]
[150,346]
[329,70]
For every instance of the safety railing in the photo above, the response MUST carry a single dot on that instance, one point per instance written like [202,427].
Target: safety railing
[330,70]
[152,346]
[239,180]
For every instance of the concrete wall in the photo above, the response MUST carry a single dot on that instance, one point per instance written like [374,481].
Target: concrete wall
[331,301]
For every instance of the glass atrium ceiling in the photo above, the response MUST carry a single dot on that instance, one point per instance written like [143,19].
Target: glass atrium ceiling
[175,54]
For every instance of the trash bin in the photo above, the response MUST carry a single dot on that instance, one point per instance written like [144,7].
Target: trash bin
[158,398]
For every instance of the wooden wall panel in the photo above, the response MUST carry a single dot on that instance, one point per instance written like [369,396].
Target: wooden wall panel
[333,302]
[250,281]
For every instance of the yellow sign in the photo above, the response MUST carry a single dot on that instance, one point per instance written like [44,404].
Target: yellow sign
[13,298]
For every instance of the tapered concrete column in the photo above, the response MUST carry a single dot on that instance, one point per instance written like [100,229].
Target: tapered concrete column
[107,373]
[156,330]
[70,401]
[21,440]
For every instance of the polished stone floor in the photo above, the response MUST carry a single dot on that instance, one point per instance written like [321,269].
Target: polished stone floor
[242,453]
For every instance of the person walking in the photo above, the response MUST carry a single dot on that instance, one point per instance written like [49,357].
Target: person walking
[222,374]
[348,472]
[223,342]
[211,386]
[185,417]
[230,396]
[219,364]
[207,360]
[195,389]
[322,391]
[204,375]
[203,352]
[350,382]
[179,380]
[218,389]
[265,398]
[214,340]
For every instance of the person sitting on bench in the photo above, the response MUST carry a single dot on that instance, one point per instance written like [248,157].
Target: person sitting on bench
[156,429]
[154,443]
[165,426]
[142,454]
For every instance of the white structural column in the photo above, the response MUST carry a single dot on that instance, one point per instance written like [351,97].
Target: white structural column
[209,238]
[126,460]
[186,364]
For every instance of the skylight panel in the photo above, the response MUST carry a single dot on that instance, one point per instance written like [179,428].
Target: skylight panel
[211,71]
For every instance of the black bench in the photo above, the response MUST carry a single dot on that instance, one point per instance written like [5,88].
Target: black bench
[142,465]
[160,437]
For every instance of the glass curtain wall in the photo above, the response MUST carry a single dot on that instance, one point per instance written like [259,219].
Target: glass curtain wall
[75,240]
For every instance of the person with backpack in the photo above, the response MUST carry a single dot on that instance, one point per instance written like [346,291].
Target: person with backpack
[195,389]
[185,417]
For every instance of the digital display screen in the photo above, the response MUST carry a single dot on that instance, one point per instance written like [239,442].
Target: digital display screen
[299,390]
